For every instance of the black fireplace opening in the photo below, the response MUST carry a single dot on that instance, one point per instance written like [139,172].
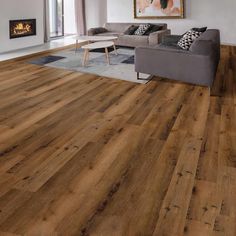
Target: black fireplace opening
[22,28]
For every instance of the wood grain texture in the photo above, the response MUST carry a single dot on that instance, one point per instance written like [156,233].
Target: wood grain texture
[87,155]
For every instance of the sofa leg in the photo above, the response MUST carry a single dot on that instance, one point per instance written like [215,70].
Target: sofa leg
[138,78]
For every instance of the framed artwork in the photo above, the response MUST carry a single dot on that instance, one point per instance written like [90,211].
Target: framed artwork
[146,9]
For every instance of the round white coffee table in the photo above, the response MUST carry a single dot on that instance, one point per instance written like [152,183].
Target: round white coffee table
[98,45]
[92,39]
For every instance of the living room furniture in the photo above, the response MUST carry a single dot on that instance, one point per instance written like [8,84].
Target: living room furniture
[90,39]
[118,29]
[98,45]
[198,65]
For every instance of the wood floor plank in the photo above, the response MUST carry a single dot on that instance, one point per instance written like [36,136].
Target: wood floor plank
[204,207]
[227,151]
[196,228]
[224,226]
[11,201]
[6,182]
[7,234]
[175,205]
[209,151]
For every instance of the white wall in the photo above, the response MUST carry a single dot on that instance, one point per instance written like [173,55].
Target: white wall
[220,14]
[20,9]
[96,12]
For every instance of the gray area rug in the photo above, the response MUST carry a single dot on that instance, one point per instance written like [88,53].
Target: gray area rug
[45,60]
[121,65]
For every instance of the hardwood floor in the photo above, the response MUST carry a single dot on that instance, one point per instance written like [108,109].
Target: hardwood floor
[85,155]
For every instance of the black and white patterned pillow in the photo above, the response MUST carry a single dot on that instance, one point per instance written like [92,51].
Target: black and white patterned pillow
[188,38]
[142,29]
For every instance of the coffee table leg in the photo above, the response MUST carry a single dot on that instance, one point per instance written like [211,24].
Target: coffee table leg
[86,52]
[87,55]
[107,56]
[76,47]
[114,46]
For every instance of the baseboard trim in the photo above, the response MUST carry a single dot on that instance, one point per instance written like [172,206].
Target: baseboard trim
[228,44]
[39,53]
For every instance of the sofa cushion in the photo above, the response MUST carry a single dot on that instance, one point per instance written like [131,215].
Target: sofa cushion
[121,27]
[153,28]
[186,41]
[202,30]
[100,30]
[132,40]
[170,45]
[131,29]
[171,39]
[211,34]
[142,29]
[110,33]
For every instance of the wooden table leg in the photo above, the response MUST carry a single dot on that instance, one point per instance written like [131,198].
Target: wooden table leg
[114,46]
[76,47]
[107,56]
[86,52]
[87,55]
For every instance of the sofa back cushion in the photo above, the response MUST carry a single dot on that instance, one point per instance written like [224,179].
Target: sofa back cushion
[211,34]
[100,30]
[131,41]
[154,28]
[121,27]
[130,30]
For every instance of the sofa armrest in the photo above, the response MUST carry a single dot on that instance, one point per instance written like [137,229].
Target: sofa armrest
[203,47]
[157,37]
[98,30]
[91,31]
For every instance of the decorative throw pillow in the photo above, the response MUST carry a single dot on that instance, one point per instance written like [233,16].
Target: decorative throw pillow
[100,30]
[153,28]
[131,30]
[202,30]
[142,29]
[188,38]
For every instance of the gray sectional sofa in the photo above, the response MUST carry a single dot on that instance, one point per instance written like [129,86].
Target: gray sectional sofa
[198,65]
[118,29]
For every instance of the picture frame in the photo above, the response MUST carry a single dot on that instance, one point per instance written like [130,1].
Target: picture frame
[159,9]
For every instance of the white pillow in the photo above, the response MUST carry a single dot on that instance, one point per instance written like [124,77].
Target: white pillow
[188,38]
[142,29]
